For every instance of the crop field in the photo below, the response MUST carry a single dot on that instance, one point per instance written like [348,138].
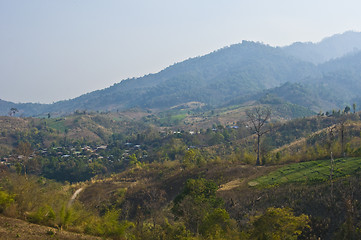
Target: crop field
[307,172]
[56,123]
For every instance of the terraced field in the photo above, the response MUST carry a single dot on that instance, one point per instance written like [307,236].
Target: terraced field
[307,172]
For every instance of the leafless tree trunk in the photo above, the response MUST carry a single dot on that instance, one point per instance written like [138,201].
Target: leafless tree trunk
[330,140]
[258,117]
[331,176]
[342,123]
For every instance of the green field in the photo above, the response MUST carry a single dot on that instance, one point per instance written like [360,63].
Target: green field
[313,171]
[172,119]
[57,124]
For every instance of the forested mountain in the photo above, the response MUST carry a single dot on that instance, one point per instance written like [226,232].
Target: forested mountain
[237,73]
[181,163]
[340,82]
[336,85]
[329,48]
[301,94]
[213,79]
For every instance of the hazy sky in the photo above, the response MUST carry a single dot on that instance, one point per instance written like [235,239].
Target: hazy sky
[54,50]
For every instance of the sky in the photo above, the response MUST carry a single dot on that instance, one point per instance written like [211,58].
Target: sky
[53,50]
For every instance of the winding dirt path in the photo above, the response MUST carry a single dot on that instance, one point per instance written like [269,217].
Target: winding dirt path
[74,196]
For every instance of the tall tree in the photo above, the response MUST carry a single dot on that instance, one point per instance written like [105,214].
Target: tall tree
[24,151]
[278,223]
[342,122]
[258,117]
[354,107]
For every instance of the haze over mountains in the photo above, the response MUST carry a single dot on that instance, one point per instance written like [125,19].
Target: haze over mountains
[318,76]
[329,48]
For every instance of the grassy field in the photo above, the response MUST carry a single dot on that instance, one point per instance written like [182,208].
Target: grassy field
[313,171]
[57,124]
[172,119]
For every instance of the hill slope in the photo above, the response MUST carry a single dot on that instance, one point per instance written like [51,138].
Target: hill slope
[329,48]
[238,72]
[212,79]
[11,228]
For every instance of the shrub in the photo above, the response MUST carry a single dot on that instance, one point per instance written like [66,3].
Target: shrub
[5,200]
[44,215]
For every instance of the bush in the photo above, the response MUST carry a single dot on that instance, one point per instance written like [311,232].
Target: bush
[278,223]
[44,215]
[5,200]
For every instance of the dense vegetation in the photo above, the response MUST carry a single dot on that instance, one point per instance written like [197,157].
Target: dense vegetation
[329,48]
[142,175]
[180,161]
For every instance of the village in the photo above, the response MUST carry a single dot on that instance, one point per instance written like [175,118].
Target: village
[62,153]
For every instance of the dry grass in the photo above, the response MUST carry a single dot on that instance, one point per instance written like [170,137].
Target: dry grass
[13,123]
[230,185]
[11,228]
[135,115]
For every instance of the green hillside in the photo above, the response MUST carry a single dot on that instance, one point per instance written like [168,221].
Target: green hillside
[213,79]
[236,144]
[146,175]
[232,75]
[309,172]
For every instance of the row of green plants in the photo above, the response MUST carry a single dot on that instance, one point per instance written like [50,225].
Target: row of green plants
[310,171]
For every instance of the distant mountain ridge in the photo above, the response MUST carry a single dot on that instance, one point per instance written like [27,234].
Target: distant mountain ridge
[240,71]
[329,48]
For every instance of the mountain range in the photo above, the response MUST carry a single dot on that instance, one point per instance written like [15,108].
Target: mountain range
[318,76]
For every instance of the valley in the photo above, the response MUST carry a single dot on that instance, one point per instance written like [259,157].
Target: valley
[247,142]
[139,174]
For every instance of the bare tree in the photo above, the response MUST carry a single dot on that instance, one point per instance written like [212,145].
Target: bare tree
[258,117]
[342,125]
[13,111]
[24,151]
[330,139]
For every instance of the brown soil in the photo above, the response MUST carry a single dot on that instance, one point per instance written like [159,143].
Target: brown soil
[11,228]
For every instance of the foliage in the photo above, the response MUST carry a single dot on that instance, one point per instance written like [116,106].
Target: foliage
[66,217]
[134,184]
[277,224]
[217,224]
[109,226]
[44,215]
[5,200]
[199,206]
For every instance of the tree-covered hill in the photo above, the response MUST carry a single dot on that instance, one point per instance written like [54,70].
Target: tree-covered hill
[341,80]
[338,85]
[238,73]
[212,79]
[139,175]
[329,48]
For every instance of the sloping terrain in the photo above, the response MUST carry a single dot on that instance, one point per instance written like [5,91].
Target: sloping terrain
[81,127]
[137,200]
[212,79]
[11,228]
[234,74]
[329,48]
